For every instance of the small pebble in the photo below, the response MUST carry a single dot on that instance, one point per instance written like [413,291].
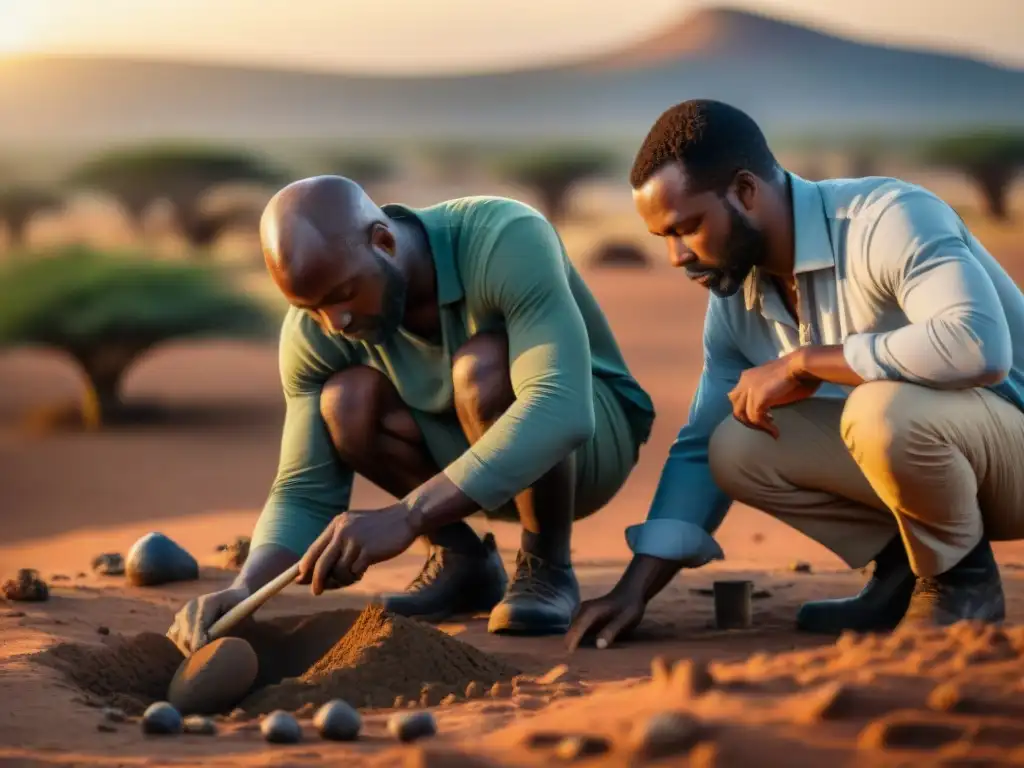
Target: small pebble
[337,721]
[576,747]
[114,715]
[59,577]
[161,718]
[449,700]
[238,715]
[800,567]
[666,733]
[105,728]
[280,727]
[199,725]
[103,630]
[409,726]
[108,564]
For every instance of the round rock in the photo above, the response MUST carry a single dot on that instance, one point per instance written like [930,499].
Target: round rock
[214,678]
[155,559]
[338,721]
[200,726]
[280,727]
[410,726]
[161,718]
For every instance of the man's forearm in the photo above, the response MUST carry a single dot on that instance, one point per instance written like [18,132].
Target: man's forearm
[646,576]
[263,564]
[825,363]
[437,503]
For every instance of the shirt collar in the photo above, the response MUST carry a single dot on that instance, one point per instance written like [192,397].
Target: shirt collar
[436,223]
[812,243]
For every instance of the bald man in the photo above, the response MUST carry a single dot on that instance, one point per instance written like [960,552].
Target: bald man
[454,357]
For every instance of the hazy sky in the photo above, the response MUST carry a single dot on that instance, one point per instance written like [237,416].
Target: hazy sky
[449,35]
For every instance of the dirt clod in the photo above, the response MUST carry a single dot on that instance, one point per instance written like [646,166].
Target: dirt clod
[27,587]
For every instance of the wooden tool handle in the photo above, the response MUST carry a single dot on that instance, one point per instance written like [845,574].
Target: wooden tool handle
[247,607]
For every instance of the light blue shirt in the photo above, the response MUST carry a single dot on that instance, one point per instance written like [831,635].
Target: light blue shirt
[884,268]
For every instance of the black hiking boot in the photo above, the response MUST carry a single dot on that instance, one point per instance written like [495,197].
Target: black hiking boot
[971,590]
[878,607]
[452,583]
[542,599]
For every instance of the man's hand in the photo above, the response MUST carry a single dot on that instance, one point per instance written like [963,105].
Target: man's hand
[353,542]
[193,621]
[768,386]
[620,611]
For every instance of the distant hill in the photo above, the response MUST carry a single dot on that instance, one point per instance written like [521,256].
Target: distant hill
[791,78]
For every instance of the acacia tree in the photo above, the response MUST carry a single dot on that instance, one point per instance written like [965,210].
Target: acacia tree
[19,205]
[182,174]
[991,159]
[553,172]
[106,310]
[367,169]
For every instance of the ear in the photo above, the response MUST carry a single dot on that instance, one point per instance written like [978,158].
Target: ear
[746,188]
[382,237]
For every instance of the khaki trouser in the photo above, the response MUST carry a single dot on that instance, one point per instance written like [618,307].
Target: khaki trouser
[938,467]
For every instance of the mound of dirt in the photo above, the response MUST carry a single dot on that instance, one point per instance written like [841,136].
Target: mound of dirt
[366,658]
[381,657]
[128,673]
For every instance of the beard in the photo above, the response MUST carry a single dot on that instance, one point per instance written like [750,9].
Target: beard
[383,326]
[746,247]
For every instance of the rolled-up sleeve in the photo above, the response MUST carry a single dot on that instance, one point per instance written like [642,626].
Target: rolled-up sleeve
[688,505]
[958,336]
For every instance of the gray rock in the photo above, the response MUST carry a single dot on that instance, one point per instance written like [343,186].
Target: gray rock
[155,559]
[200,726]
[410,726]
[161,718]
[108,564]
[338,721]
[280,727]
[114,715]
[665,733]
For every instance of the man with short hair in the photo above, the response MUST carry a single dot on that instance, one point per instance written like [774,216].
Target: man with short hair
[863,381]
[453,356]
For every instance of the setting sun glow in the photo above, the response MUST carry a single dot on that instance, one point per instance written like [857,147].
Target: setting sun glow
[17,26]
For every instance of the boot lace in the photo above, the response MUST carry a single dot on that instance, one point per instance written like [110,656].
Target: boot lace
[531,578]
[429,572]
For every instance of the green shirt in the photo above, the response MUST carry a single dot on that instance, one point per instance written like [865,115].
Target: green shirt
[500,266]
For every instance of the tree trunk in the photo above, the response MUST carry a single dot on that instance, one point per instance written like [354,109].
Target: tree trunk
[555,198]
[994,183]
[104,368]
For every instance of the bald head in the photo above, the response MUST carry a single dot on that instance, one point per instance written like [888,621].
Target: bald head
[331,251]
[312,218]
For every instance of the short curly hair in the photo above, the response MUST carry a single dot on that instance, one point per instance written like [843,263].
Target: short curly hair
[711,140]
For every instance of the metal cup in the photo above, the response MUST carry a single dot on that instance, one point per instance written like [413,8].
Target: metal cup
[733,604]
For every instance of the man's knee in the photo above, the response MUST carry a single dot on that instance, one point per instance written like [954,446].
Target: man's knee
[480,377]
[885,420]
[351,404]
[736,455]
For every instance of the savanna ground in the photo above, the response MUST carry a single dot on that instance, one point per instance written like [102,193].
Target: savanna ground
[202,478]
